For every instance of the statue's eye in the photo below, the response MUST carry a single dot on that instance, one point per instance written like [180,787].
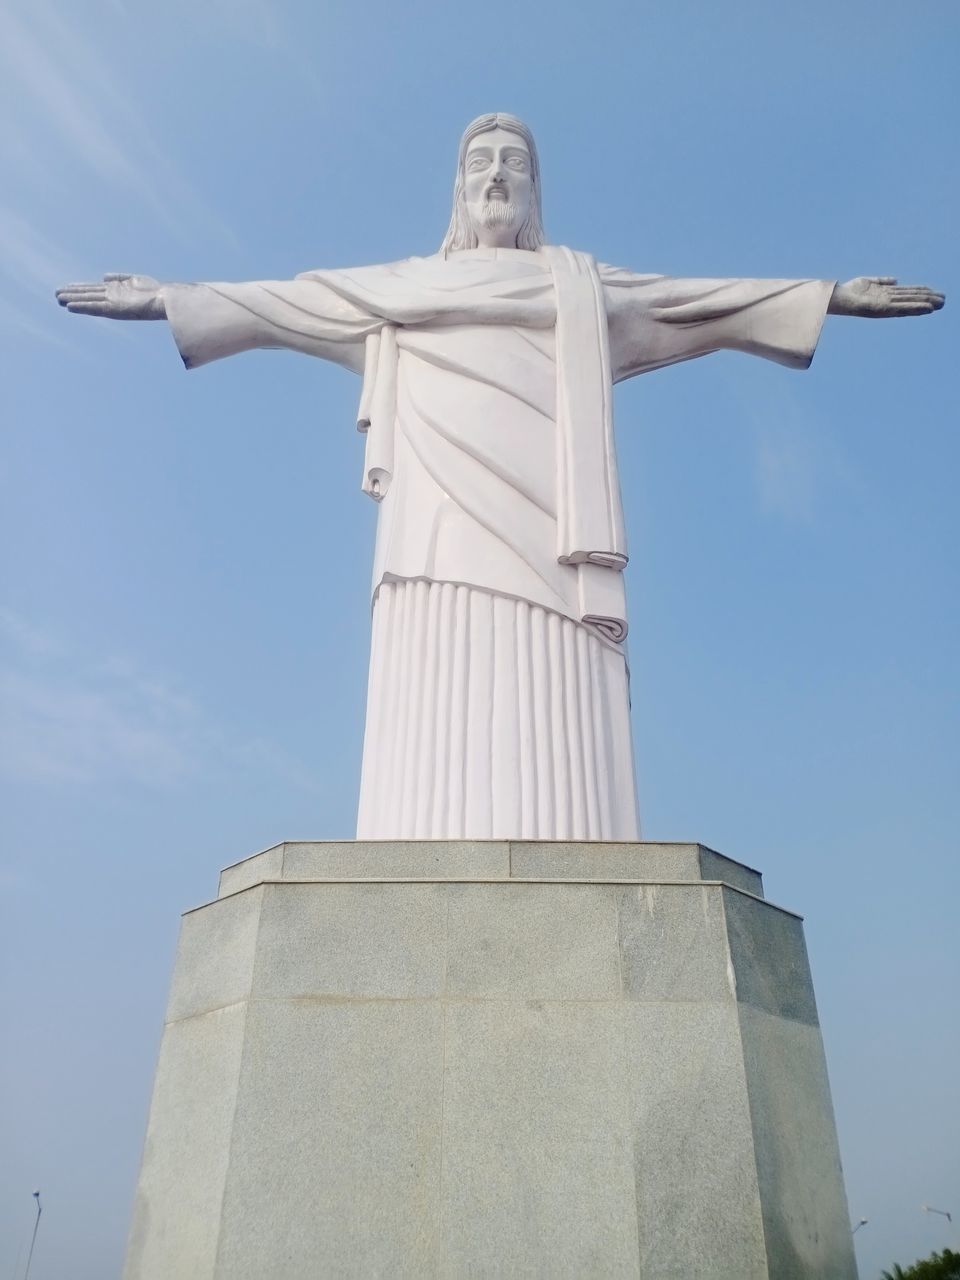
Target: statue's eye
[517,162]
[477,162]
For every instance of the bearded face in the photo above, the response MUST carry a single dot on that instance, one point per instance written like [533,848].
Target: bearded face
[497,186]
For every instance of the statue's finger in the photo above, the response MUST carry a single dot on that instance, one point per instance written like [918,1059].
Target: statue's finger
[882,279]
[84,287]
[118,275]
[932,295]
[82,295]
[934,300]
[90,308]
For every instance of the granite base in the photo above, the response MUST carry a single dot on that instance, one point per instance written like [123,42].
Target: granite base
[491,1059]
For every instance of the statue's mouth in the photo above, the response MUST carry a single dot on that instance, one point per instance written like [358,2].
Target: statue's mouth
[497,193]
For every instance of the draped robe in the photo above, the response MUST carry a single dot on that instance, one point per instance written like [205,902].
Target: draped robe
[498,699]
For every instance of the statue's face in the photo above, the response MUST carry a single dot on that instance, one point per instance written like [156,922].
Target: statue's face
[497,186]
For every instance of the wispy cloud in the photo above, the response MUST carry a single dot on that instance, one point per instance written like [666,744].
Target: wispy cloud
[28,640]
[69,116]
[785,471]
[66,93]
[255,21]
[795,459]
[28,257]
[15,320]
[67,720]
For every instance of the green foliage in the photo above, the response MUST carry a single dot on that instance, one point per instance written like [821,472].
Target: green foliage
[939,1266]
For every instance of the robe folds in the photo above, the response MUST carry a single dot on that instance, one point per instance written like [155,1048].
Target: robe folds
[498,701]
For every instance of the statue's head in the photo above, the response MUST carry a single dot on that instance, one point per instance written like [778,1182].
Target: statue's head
[496,197]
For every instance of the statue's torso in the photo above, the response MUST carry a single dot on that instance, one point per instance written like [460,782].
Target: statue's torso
[473,496]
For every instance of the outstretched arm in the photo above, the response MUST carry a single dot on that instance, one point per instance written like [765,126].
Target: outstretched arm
[881,298]
[655,321]
[659,320]
[210,321]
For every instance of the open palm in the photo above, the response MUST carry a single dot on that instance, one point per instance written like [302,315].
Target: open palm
[880,297]
[118,296]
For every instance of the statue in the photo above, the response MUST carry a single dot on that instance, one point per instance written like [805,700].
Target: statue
[498,700]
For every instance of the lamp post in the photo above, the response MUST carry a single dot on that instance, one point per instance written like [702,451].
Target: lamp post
[862,1223]
[33,1240]
[942,1212]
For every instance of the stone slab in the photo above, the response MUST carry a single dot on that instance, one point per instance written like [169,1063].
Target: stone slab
[806,1223]
[672,942]
[370,941]
[176,1225]
[769,958]
[215,955]
[335,1161]
[371,859]
[267,865]
[532,942]
[647,860]
[694,1158]
[537,1153]
[487,859]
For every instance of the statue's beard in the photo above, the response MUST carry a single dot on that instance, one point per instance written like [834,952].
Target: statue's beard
[493,214]
[499,213]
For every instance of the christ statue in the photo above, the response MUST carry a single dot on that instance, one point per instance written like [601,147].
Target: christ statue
[498,698]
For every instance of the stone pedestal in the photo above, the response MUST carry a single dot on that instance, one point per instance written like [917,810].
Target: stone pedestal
[490,1059]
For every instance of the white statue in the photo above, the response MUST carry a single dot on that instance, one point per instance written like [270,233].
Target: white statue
[498,702]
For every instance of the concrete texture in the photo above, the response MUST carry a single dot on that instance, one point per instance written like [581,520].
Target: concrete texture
[798,1160]
[523,1071]
[336,1144]
[537,1175]
[339,941]
[556,942]
[699,1208]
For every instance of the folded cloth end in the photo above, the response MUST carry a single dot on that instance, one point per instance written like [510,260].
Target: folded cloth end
[607,559]
[614,629]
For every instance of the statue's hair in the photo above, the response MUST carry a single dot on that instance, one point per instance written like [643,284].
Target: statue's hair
[460,233]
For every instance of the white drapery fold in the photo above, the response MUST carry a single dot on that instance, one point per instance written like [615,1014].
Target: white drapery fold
[590,525]
[490,718]
[377,414]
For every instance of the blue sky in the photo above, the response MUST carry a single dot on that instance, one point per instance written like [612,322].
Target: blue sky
[185,563]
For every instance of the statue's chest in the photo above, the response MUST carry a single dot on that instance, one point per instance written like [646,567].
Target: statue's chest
[483,366]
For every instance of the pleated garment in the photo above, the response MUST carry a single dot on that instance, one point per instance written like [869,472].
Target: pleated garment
[492,718]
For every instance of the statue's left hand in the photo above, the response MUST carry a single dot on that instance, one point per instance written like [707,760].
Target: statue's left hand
[118,297]
[880,297]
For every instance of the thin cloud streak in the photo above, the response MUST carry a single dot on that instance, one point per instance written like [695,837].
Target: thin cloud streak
[67,87]
[795,462]
[29,258]
[785,472]
[15,321]
[35,267]
[66,721]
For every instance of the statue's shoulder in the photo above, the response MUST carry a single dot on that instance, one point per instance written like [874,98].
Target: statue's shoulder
[625,276]
[608,274]
[401,267]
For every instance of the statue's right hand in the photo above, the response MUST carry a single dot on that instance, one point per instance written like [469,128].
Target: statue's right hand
[119,297]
